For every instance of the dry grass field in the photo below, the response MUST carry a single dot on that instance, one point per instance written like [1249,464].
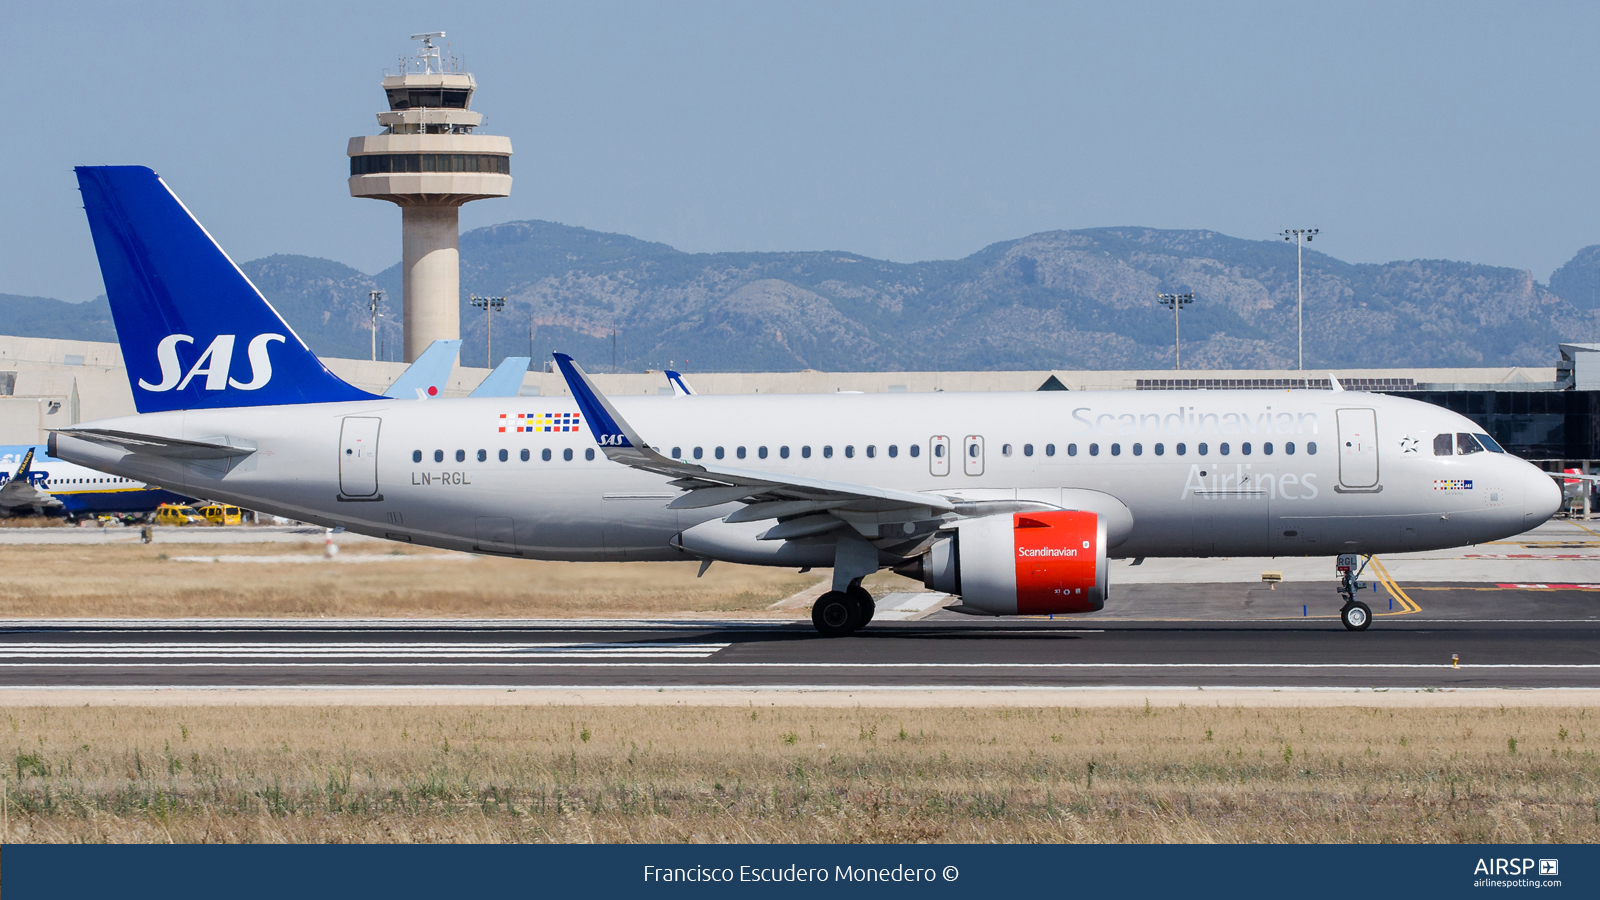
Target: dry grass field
[367,579]
[714,774]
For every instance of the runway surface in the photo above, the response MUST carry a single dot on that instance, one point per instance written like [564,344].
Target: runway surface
[1236,635]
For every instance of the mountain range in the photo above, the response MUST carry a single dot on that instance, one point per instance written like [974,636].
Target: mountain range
[1055,300]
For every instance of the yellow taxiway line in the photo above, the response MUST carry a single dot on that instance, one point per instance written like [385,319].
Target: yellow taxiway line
[1408,606]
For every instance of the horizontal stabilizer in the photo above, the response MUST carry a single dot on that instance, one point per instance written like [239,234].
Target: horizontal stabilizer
[153,445]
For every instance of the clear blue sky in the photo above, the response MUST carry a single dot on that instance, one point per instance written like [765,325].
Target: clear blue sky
[899,130]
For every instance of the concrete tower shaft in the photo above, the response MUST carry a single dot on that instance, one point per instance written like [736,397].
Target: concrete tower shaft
[429,160]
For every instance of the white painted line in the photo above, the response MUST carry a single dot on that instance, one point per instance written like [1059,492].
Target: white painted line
[519,664]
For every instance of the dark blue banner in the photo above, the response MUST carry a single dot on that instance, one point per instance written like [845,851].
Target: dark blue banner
[1120,871]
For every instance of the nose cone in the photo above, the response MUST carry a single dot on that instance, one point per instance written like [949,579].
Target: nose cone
[1541,498]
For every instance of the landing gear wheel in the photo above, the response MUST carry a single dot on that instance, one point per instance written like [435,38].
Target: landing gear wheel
[1356,616]
[864,604]
[835,614]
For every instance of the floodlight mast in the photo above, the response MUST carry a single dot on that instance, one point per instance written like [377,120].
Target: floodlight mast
[1296,235]
[490,305]
[375,300]
[1176,302]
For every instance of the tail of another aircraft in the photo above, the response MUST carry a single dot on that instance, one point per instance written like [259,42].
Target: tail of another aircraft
[195,333]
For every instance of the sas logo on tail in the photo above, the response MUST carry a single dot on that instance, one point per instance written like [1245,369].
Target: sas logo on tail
[215,364]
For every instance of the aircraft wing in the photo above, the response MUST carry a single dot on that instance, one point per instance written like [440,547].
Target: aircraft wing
[806,505]
[428,375]
[155,445]
[505,380]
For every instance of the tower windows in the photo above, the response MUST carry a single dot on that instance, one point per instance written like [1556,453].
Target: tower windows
[409,163]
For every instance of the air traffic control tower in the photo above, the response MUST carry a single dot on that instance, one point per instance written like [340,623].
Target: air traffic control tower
[429,161]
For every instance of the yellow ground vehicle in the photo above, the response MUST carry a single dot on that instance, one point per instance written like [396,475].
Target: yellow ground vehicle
[177,514]
[218,514]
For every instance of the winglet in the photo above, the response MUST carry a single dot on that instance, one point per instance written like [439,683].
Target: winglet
[616,437]
[1333,383]
[679,388]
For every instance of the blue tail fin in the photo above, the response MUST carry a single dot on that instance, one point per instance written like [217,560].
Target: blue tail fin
[195,333]
[427,376]
[505,380]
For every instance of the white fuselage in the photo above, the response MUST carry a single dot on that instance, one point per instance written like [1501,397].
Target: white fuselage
[432,473]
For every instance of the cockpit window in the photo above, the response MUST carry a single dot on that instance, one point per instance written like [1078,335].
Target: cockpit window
[1444,445]
[1489,443]
[1466,443]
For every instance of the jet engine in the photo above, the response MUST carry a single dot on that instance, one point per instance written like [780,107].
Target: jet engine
[1028,563]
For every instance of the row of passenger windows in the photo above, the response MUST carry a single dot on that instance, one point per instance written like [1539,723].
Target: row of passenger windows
[505,455]
[893,451]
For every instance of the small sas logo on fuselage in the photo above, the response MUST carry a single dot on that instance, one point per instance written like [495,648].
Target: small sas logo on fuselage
[1452,484]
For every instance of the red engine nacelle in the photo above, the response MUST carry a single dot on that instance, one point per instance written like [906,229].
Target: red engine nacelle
[1029,563]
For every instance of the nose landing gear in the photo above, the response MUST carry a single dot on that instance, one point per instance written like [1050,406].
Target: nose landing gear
[1355,615]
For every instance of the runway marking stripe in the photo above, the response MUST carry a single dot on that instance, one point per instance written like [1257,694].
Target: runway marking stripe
[780,665]
[1546,587]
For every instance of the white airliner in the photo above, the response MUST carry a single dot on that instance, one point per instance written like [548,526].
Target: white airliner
[1014,502]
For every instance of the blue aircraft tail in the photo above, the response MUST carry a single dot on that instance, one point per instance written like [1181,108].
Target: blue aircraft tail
[195,333]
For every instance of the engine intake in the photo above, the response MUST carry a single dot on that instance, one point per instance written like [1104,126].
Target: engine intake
[1031,563]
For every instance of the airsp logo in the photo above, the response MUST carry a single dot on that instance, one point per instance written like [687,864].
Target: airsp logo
[214,363]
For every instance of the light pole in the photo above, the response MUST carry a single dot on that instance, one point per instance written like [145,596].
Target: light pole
[375,300]
[489,305]
[1176,302]
[1296,235]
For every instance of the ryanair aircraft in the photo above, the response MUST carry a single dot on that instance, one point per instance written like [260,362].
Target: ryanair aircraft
[33,482]
[1014,502]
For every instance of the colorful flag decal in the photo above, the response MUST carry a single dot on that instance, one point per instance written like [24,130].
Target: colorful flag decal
[1452,484]
[531,422]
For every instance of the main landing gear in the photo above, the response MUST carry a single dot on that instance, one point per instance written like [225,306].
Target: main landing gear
[838,613]
[1355,615]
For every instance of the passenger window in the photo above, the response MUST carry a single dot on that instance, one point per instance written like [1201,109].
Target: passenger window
[1161,449]
[1311,448]
[1005,449]
[1183,449]
[1288,447]
[1266,447]
[1223,448]
[1466,443]
[483,455]
[567,454]
[545,454]
[589,454]
[699,452]
[1027,449]
[784,451]
[805,451]
[504,456]
[915,450]
[438,456]
[761,452]
[719,453]
[1245,448]
[677,453]
[1203,449]
[1138,449]
[872,451]
[894,450]
[1116,449]
[524,455]
[938,451]
[416,456]
[739,452]
[1443,445]
[827,451]
[461,456]
[1094,449]
[849,451]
